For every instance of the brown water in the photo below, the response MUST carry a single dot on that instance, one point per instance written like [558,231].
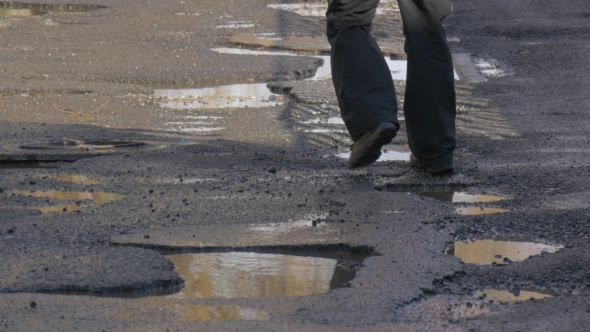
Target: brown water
[479,211]
[487,252]
[504,296]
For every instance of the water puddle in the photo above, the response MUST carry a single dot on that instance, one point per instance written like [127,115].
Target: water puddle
[336,120]
[386,155]
[99,198]
[20,12]
[318,8]
[71,178]
[487,252]
[505,296]
[104,146]
[237,25]
[228,96]
[192,313]
[460,197]
[479,211]
[259,275]
[489,68]
[310,221]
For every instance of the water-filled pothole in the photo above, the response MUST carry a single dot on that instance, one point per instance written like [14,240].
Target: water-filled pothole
[487,252]
[480,211]
[318,8]
[23,12]
[25,164]
[42,8]
[453,196]
[71,178]
[99,198]
[506,296]
[265,273]
[228,96]
[98,145]
[193,313]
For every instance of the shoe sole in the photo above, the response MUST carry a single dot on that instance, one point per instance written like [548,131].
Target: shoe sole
[383,135]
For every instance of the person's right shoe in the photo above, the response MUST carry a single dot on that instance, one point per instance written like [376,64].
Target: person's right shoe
[367,149]
[440,170]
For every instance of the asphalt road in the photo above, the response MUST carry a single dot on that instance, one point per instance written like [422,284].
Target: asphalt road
[128,205]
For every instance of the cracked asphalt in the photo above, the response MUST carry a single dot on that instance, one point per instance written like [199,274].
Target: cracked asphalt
[90,224]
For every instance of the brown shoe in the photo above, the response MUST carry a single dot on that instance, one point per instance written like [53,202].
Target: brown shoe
[367,149]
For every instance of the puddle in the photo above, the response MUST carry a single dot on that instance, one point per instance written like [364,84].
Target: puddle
[237,25]
[479,211]
[386,155]
[489,68]
[336,120]
[318,9]
[71,178]
[191,313]
[309,221]
[487,252]
[505,296]
[460,197]
[99,198]
[258,275]
[82,145]
[228,96]
[20,12]
[199,129]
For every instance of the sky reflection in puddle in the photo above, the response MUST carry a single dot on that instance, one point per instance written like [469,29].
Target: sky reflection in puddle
[460,197]
[487,252]
[318,8]
[505,296]
[386,155]
[480,211]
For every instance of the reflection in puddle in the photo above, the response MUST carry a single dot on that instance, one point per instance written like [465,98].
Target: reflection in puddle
[336,120]
[318,8]
[82,145]
[386,155]
[307,222]
[460,197]
[20,12]
[237,25]
[489,68]
[156,311]
[199,129]
[225,313]
[228,96]
[71,178]
[254,275]
[99,198]
[479,211]
[487,252]
[507,296]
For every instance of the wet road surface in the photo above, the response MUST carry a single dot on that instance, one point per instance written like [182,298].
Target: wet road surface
[181,166]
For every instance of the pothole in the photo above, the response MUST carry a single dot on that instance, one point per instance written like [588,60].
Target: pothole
[42,8]
[71,178]
[99,198]
[193,313]
[269,273]
[479,211]
[453,196]
[506,296]
[228,96]
[318,8]
[488,252]
[83,145]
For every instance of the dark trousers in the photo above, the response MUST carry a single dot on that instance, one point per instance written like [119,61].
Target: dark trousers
[363,82]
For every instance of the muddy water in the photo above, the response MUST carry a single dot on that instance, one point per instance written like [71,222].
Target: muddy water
[20,12]
[479,211]
[487,252]
[99,198]
[246,275]
[189,313]
[71,178]
[504,296]
[461,197]
[228,96]
[260,275]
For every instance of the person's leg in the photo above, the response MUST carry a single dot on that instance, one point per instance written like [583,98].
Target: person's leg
[429,105]
[361,78]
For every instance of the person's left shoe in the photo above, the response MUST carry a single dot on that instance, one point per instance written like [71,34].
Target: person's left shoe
[367,149]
